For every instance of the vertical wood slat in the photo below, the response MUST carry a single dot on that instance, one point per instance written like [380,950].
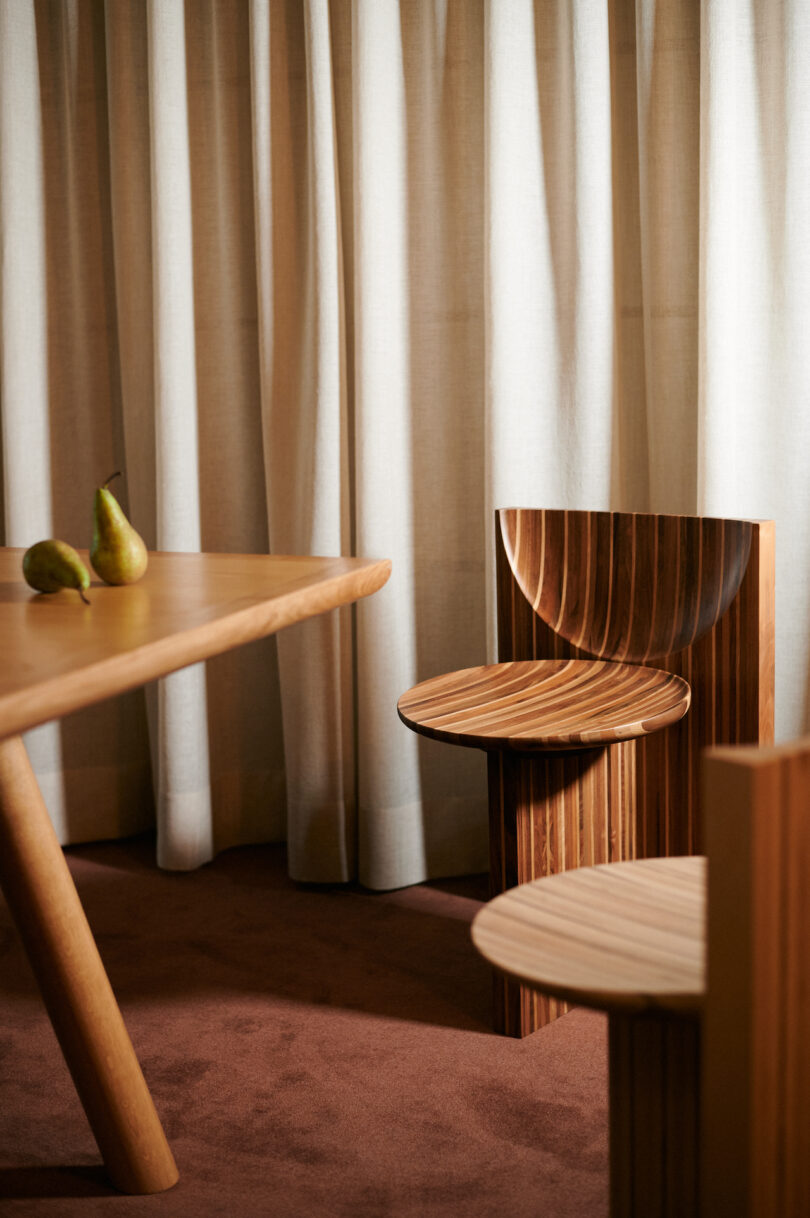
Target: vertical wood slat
[547,814]
[730,667]
[756,1078]
[654,1115]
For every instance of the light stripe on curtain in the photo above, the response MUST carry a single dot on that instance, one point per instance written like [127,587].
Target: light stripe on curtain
[339,277]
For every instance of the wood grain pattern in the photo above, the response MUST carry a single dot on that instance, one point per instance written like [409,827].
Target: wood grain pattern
[708,994]
[628,562]
[58,655]
[691,596]
[549,813]
[757,1046]
[544,704]
[618,936]
[627,938]
[626,586]
[558,797]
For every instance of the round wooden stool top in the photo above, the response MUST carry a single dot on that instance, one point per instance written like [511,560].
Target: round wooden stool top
[545,704]
[625,937]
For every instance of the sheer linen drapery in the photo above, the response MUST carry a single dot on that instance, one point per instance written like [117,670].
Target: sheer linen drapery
[344,277]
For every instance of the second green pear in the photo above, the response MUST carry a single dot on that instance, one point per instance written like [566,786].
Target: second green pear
[118,554]
[51,565]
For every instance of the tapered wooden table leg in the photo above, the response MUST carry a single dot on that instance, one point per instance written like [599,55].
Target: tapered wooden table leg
[45,906]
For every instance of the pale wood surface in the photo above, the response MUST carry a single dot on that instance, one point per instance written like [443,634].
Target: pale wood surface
[58,654]
[620,936]
[545,704]
[43,900]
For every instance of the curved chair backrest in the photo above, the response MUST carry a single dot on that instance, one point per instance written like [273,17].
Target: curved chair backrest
[689,594]
[626,586]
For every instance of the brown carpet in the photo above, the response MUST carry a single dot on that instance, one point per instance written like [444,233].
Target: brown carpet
[311,1050]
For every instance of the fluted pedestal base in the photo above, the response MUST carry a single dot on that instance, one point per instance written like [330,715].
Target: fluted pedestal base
[549,812]
[654,1071]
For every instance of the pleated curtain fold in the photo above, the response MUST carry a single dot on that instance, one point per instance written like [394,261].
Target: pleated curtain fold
[344,277]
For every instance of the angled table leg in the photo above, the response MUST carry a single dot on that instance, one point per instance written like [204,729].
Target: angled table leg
[45,906]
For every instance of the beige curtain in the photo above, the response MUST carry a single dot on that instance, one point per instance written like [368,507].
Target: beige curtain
[340,277]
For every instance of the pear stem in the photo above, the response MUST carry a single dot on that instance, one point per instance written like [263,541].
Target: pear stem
[84,598]
[117,474]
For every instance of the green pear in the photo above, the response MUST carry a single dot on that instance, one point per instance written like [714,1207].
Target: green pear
[51,565]
[118,553]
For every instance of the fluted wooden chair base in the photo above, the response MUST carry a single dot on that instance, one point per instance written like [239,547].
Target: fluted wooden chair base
[627,938]
[549,812]
[560,739]
[654,1115]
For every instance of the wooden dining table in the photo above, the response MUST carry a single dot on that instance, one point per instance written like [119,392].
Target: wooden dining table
[58,655]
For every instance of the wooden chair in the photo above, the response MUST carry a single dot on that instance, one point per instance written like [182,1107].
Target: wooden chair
[708,995]
[609,623]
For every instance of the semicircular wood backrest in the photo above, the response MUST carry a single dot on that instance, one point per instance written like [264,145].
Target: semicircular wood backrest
[626,586]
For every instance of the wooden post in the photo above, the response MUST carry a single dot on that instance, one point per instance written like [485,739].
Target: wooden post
[756,1078]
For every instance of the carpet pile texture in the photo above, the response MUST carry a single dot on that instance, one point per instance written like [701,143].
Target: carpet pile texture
[312,1050]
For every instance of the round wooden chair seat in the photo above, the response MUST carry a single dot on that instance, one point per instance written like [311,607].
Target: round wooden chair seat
[545,704]
[621,937]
